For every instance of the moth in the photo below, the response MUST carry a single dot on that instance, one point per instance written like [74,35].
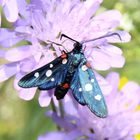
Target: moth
[70,71]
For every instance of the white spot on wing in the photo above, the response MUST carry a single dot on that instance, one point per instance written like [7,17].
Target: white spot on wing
[36,74]
[80,89]
[52,79]
[48,73]
[98,97]
[51,65]
[84,67]
[92,80]
[88,87]
[64,61]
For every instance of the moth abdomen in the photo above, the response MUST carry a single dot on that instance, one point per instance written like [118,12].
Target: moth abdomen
[61,91]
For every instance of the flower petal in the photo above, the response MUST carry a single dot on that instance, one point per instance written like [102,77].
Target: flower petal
[103,23]
[113,79]
[22,8]
[130,87]
[11,10]
[68,102]
[115,57]
[90,8]
[23,29]
[28,64]
[19,75]
[10,41]
[45,98]
[7,70]
[2,53]
[8,38]
[117,61]
[104,84]
[99,60]
[18,53]
[110,49]
[27,94]
[53,136]
[5,34]
[114,14]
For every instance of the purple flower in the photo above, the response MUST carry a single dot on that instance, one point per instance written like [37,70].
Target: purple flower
[12,8]
[43,21]
[122,123]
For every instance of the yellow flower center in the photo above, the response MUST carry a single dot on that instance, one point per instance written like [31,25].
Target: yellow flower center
[137,136]
[122,82]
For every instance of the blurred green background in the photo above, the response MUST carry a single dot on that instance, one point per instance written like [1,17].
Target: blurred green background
[20,120]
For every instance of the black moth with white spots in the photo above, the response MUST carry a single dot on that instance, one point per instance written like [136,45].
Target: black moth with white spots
[70,71]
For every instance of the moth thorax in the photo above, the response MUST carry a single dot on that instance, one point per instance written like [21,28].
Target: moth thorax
[77,58]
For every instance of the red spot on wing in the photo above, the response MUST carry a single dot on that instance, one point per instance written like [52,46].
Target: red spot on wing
[88,65]
[66,85]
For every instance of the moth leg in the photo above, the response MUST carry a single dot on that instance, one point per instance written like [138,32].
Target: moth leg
[84,48]
[63,51]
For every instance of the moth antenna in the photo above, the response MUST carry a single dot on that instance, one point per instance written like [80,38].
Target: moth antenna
[107,35]
[63,35]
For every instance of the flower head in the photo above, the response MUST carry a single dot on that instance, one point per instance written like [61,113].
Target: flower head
[43,21]
[123,121]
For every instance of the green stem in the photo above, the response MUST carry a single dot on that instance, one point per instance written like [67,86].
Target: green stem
[53,106]
[61,108]
[54,110]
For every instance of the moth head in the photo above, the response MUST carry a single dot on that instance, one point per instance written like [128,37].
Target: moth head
[77,45]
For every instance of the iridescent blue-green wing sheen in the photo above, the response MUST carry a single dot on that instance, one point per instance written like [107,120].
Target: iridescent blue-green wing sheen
[91,91]
[56,79]
[48,76]
[76,88]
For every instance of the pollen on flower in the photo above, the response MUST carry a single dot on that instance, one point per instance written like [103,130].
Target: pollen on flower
[137,108]
[122,82]
[137,136]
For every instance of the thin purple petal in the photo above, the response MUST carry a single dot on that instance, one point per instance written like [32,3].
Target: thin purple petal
[45,98]
[27,94]
[2,53]
[18,53]
[7,70]
[11,10]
